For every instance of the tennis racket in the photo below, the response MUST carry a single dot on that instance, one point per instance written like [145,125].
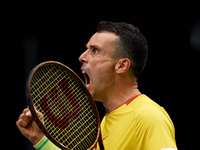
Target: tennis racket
[70,116]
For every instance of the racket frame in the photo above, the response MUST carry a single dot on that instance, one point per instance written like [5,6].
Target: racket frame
[38,121]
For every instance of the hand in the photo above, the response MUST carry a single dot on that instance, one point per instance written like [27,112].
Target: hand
[28,127]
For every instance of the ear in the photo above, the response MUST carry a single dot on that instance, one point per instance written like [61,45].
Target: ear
[122,65]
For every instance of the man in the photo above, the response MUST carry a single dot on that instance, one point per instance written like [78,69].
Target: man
[116,55]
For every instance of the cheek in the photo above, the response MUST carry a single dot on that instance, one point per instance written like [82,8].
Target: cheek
[102,71]
[104,74]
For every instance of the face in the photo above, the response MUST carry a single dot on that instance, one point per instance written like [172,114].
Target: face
[98,64]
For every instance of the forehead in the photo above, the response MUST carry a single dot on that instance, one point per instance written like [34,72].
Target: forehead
[102,39]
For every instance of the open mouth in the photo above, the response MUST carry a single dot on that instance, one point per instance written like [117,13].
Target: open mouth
[87,78]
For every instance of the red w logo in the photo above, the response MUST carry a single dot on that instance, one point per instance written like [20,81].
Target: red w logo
[67,115]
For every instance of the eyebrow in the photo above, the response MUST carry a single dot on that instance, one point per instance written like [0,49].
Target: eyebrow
[93,46]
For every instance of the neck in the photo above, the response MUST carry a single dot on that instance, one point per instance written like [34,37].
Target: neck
[119,96]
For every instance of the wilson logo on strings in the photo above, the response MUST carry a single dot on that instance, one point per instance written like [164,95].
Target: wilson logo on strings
[67,115]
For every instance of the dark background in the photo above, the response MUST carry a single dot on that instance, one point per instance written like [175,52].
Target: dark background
[33,32]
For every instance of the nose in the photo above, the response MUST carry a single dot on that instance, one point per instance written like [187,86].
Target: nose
[83,57]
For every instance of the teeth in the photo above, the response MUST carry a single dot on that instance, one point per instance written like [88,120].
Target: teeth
[83,71]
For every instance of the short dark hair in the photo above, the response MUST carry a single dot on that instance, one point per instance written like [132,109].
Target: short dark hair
[131,44]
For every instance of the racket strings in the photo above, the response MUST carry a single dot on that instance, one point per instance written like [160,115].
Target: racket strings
[80,131]
[49,80]
[63,96]
[59,104]
[50,85]
[83,113]
[82,138]
[81,125]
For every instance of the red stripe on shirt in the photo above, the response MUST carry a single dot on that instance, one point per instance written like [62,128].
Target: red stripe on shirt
[131,99]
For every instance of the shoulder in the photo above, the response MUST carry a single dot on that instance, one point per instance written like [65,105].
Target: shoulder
[154,125]
[149,112]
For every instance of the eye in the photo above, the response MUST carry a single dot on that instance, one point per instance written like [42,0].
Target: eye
[95,50]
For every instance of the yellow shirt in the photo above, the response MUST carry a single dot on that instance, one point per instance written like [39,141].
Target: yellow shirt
[138,124]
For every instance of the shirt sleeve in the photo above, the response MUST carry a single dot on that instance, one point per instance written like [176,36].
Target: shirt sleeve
[156,130]
[45,144]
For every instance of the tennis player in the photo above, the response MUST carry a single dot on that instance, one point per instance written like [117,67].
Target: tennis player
[114,58]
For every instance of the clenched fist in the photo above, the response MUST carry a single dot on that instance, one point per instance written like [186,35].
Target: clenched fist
[28,126]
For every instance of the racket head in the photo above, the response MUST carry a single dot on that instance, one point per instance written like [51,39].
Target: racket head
[70,116]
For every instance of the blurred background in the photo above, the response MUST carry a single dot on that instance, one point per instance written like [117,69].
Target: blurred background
[37,31]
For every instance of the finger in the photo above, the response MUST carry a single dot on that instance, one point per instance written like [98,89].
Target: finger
[21,123]
[28,114]
[40,116]
[26,118]
[26,110]
[23,120]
